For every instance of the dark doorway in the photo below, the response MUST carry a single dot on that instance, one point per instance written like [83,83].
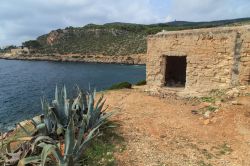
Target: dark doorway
[175,71]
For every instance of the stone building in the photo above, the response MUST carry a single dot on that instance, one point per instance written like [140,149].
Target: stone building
[197,61]
[20,50]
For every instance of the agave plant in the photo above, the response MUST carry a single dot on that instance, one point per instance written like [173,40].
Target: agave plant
[56,116]
[72,123]
[74,146]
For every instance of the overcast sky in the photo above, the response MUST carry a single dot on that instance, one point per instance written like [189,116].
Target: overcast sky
[22,20]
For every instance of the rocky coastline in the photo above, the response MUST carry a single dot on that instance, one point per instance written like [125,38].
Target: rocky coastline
[126,59]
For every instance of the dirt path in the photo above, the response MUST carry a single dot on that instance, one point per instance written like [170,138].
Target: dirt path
[161,132]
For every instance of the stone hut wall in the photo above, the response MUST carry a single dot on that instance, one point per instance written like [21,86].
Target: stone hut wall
[217,58]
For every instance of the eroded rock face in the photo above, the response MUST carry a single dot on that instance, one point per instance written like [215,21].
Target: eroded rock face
[216,58]
[53,37]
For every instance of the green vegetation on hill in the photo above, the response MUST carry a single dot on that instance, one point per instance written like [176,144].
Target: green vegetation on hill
[7,49]
[112,38]
[142,82]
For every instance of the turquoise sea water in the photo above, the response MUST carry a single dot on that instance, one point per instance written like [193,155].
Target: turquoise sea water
[23,83]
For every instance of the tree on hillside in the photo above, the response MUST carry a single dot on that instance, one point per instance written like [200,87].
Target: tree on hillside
[32,44]
[8,48]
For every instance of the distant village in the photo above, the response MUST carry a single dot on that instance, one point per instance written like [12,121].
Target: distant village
[14,51]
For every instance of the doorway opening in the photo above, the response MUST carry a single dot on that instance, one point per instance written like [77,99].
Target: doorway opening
[175,75]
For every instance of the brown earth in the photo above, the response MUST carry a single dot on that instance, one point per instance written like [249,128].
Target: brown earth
[161,132]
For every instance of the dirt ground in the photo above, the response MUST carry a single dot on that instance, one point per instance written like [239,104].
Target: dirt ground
[160,132]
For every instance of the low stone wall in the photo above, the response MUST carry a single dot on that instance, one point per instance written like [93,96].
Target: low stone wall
[128,59]
[217,58]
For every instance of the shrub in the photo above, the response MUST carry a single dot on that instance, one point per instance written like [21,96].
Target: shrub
[208,99]
[142,82]
[121,85]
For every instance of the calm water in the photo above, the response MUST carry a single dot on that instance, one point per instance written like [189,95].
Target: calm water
[23,83]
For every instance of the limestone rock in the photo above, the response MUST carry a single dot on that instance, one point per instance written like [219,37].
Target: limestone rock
[233,93]
[235,102]
[207,114]
[242,87]
[217,110]
[206,122]
[214,119]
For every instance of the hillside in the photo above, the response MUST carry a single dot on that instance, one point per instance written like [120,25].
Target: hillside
[112,38]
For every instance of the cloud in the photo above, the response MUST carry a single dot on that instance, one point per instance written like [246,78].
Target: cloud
[168,19]
[22,20]
[204,10]
[27,19]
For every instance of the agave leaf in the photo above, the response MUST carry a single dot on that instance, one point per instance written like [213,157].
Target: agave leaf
[56,95]
[42,145]
[99,107]
[57,154]
[42,139]
[48,125]
[44,104]
[94,93]
[42,128]
[80,135]
[69,138]
[99,101]
[78,102]
[90,109]
[104,117]
[13,158]
[91,101]
[55,115]
[28,160]
[64,92]
[50,149]
[95,117]
[85,143]
[67,108]
[98,110]
[84,105]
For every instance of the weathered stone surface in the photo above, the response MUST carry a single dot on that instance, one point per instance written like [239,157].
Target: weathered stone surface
[217,58]
[206,122]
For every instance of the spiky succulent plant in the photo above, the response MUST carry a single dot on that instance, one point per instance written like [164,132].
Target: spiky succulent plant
[71,123]
[74,146]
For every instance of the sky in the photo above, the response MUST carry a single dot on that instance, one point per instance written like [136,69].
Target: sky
[22,20]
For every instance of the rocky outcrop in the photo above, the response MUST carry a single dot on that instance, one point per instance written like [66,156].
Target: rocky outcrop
[129,59]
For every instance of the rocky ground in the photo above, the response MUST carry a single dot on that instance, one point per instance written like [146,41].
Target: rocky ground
[153,131]
[161,132]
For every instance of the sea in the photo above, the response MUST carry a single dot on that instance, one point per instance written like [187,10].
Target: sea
[24,83]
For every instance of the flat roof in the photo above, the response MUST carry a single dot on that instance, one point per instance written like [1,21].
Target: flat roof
[213,30]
